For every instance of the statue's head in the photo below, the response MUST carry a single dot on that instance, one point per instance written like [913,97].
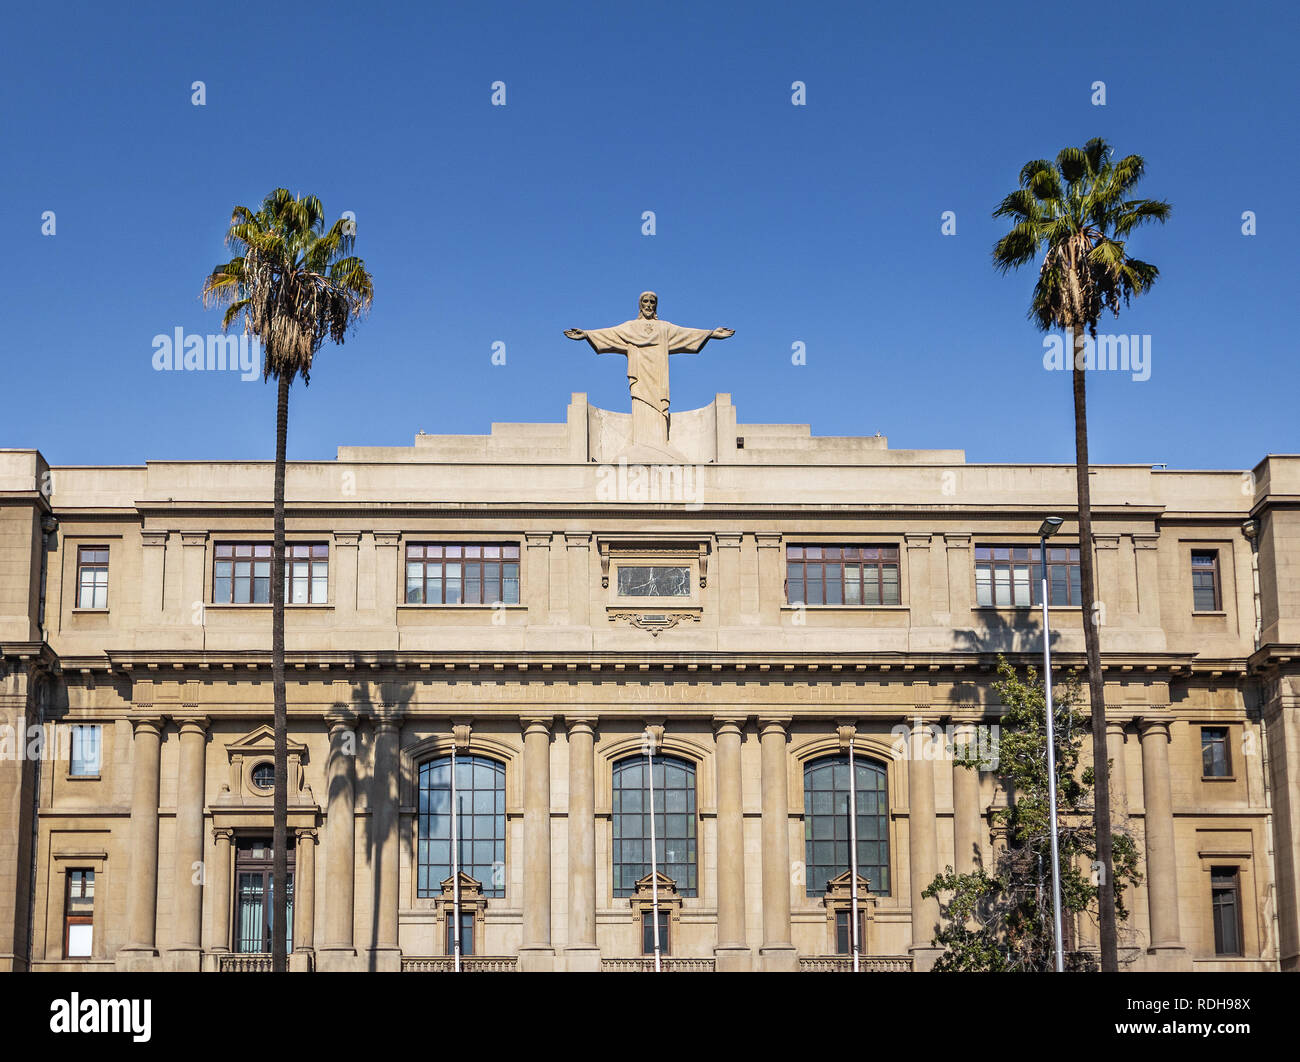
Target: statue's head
[649,304]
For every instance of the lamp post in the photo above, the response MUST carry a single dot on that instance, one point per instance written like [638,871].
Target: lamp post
[1049,527]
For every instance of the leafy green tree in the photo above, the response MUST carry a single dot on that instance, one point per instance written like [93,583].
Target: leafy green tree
[295,284]
[1000,918]
[1078,213]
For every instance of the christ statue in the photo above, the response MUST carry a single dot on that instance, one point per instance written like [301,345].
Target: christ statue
[647,342]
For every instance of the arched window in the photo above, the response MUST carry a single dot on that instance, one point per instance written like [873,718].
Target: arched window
[826,822]
[674,805]
[480,827]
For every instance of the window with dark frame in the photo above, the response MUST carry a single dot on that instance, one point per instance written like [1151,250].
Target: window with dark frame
[241,573]
[84,754]
[79,914]
[1012,576]
[1216,753]
[675,825]
[842,575]
[648,931]
[466,932]
[1225,897]
[480,825]
[254,907]
[1205,581]
[826,822]
[92,577]
[843,940]
[263,776]
[464,574]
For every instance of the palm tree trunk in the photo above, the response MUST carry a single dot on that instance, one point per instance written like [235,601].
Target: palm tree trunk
[1096,686]
[280,803]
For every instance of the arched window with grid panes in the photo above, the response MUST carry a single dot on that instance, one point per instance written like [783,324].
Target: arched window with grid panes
[826,822]
[675,822]
[480,825]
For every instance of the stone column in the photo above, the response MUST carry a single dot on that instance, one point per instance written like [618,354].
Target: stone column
[345,574]
[387,571]
[777,951]
[339,950]
[187,883]
[732,951]
[151,576]
[536,952]
[771,577]
[142,884]
[219,881]
[578,546]
[967,807]
[582,952]
[923,847]
[386,953]
[1115,741]
[1165,946]
[919,600]
[728,580]
[304,900]
[537,576]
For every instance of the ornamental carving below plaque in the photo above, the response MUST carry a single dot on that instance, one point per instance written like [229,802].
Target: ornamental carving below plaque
[654,622]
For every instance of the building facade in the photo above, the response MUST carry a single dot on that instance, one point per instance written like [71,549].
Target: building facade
[570,635]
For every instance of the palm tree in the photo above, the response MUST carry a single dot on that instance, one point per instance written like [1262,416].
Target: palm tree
[1078,213]
[295,284]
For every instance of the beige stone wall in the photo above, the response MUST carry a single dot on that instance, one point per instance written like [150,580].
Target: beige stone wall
[178,680]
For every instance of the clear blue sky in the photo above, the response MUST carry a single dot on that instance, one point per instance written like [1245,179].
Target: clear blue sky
[818,224]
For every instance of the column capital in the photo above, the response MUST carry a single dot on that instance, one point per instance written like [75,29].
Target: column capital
[387,538]
[773,724]
[729,724]
[957,539]
[1105,541]
[917,539]
[305,833]
[347,538]
[728,539]
[191,724]
[147,723]
[1148,725]
[223,833]
[577,539]
[154,538]
[767,539]
[194,538]
[532,724]
[1145,540]
[537,539]
[388,720]
[581,724]
[340,717]
[1118,727]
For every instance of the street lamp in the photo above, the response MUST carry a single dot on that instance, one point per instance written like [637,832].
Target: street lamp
[1049,527]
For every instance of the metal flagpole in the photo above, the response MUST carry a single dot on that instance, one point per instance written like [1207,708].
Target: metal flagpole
[1051,760]
[654,855]
[455,864]
[853,854]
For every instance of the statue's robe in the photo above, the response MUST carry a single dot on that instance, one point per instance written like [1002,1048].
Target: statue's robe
[647,344]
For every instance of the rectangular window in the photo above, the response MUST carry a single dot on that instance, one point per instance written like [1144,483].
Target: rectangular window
[1012,576]
[92,577]
[654,580]
[648,932]
[79,915]
[241,573]
[1225,897]
[843,941]
[1205,580]
[306,573]
[445,574]
[466,932]
[1216,753]
[254,908]
[84,753]
[841,575]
